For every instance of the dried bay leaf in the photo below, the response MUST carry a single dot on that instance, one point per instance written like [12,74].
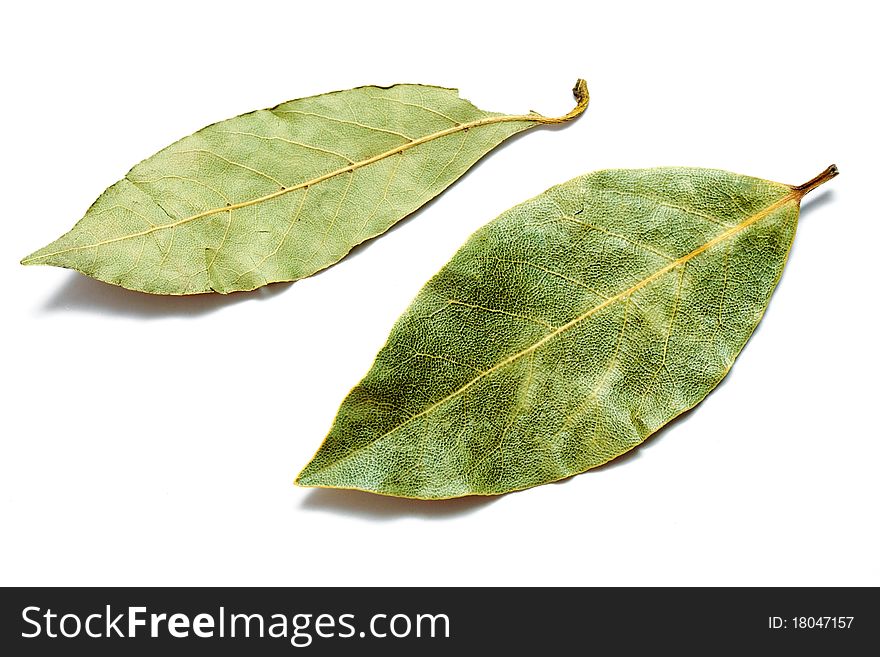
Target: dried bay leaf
[279,194]
[564,333]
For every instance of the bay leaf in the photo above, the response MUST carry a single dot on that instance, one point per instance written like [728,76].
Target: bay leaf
[564,333]
[279,194]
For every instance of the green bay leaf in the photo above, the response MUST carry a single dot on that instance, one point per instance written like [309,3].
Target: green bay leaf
[279,194]
[564,333]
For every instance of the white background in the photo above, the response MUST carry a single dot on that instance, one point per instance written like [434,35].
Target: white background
[153,441]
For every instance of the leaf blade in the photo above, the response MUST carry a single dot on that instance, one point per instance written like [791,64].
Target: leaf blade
[279,194]
[587,318]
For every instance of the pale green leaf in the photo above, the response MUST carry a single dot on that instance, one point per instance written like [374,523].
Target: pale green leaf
[564,333]
[279,194]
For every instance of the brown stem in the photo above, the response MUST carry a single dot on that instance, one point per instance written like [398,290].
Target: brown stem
[823,177]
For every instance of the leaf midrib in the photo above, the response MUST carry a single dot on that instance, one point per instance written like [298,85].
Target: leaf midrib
[794,195]
[534,118]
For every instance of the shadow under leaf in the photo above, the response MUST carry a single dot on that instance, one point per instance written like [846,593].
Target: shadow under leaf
[84,294]
[813,203]
[359,504]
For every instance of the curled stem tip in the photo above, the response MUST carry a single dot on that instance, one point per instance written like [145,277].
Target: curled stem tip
[581,95]
[813,183]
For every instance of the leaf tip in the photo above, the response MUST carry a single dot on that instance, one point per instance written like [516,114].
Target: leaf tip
[315,477]
[31,259]
[305,479]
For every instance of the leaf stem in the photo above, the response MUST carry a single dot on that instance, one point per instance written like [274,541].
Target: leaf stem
[581,95]
[812,184]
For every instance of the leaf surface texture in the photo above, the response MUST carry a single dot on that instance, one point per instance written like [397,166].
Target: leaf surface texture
[564,333]
[279,194]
